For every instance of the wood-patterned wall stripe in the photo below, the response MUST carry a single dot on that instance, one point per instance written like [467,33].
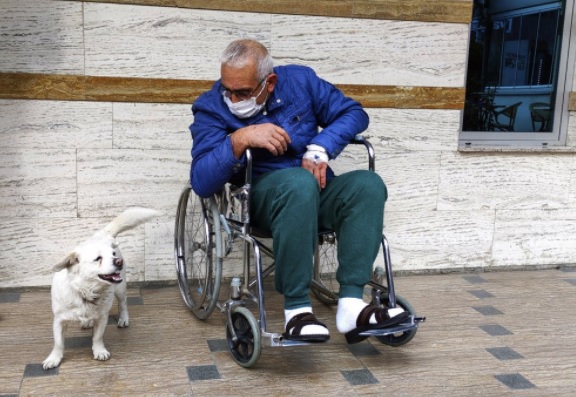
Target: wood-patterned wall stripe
[572,101]
[454,11]
[129,89]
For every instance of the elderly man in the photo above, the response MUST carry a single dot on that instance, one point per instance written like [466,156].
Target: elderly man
[294,122]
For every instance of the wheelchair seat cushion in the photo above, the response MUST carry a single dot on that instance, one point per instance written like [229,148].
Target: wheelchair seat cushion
[384,319]
[299,321]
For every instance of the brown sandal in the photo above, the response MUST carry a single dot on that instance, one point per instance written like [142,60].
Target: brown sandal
[298,322]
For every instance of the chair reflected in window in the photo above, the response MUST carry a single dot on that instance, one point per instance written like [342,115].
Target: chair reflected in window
[540,113]
[503,117]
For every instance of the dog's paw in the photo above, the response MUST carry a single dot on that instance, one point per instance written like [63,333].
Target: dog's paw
[87,324]
[123,321]
[101,355]
[52,361]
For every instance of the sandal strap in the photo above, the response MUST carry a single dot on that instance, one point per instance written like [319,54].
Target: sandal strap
[301,320]
[381,314]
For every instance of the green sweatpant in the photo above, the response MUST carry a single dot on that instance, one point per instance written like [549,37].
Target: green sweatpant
[289,204]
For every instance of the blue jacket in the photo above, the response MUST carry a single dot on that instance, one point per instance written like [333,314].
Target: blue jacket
[310,109]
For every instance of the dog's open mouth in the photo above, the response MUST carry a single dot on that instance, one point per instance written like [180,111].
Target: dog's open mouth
[113,278]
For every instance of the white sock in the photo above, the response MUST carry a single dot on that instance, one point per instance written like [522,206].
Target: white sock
[347,313]
[349,309]
[308,329]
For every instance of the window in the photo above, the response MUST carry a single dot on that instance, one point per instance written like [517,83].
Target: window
[517,86]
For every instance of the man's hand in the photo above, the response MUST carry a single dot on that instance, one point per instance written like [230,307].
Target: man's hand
[267,136]
[318,170]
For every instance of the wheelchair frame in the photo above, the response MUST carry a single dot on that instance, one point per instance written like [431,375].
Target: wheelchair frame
[224,218]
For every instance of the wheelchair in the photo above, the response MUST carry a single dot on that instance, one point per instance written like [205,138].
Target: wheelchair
[206,230]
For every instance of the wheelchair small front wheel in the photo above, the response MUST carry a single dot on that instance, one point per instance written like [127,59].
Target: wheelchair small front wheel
[400,338]
[246,347]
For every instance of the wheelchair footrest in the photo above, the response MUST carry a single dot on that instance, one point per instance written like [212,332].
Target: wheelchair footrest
[277,340]
[409,325]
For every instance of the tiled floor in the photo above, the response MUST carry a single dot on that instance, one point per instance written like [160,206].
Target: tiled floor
[488,334]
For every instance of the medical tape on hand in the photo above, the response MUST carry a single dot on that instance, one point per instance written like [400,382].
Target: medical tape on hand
[316,153]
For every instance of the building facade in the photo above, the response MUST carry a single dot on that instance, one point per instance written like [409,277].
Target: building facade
[95,102]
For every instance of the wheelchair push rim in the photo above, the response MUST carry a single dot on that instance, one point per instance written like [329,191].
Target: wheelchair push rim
[197,247]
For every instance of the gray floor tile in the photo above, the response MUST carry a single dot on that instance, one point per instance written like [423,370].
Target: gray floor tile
[487,310]
[482,294]
[495,330]
[504,353]
[9,297]
[359,377]
[202,372]
[34,370]
[515,381]
[475,279]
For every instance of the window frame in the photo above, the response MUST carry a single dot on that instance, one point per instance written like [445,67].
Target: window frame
[558,136]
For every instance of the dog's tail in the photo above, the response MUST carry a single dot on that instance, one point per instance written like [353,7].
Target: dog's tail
[129,219]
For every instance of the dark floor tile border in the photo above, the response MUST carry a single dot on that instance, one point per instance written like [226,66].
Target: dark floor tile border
[504,353]
[515,381]
[359,377]
[36,370]
[487,310]
[202,372]
[495,330]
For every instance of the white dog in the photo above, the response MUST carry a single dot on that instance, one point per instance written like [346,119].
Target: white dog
[86,282]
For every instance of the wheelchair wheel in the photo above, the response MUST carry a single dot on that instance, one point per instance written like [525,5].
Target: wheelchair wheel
[247,348]
[400,338]
[198,246]
[325,266]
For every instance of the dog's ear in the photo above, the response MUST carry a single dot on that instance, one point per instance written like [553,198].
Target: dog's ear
[70,260]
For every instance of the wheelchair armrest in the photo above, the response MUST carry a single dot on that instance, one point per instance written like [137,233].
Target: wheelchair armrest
[357,140]
[360,140]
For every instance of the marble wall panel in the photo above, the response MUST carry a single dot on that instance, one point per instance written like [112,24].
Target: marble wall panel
[35,245]
[504,181]
[572,193]
[140,41]
[110,181]
[412,180]
[55,124]
[41,36]
[160,262]
[152,126]
[414,129]
[37,183]
[355,51]
[534,237]
[435,240]
[125,40]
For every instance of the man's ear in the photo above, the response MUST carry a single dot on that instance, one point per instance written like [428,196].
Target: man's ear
[70,260]
[272,80]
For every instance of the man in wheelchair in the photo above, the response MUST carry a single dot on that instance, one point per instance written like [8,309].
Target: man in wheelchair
[294,122]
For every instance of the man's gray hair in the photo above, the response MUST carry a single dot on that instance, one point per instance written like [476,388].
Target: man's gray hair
[240,52]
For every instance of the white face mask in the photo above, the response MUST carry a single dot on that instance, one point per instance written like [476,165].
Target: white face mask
[246,108]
